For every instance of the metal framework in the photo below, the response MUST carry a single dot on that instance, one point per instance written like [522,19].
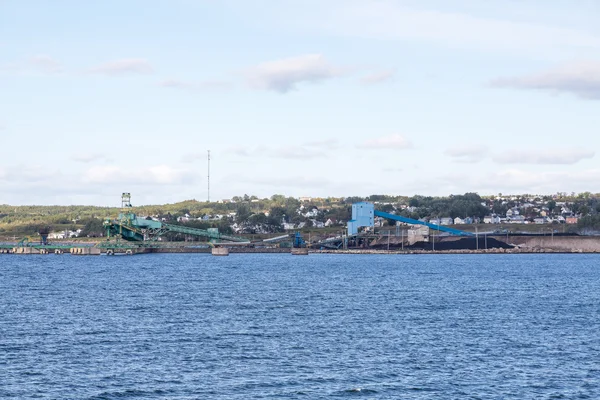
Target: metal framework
[130,227]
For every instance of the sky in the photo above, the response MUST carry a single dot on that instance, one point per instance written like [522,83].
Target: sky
[296,97]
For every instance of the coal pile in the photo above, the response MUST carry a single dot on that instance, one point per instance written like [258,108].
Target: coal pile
[463,244]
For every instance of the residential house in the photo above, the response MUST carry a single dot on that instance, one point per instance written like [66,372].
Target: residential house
[311,213]
[56,235]
[446,221]
[491,219]
[572,220]
[318,224]
[566,211]
[516,219]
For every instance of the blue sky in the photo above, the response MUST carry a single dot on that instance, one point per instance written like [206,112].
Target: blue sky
[296,97]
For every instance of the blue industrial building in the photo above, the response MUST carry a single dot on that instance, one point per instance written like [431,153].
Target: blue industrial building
[363,214]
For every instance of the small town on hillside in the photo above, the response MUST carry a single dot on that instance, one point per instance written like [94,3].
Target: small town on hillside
[252,215]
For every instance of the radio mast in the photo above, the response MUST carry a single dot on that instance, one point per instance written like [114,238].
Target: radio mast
[208,176]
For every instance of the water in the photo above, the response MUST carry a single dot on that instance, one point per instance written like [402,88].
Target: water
[252,326]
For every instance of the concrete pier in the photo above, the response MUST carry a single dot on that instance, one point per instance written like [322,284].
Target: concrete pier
[25,250]
[85,251]
[220,251]
[299,251]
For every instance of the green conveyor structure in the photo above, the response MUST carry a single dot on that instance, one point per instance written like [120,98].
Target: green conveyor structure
[136,229]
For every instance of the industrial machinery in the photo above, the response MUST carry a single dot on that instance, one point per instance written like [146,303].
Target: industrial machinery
[130,227]
[299,242]
[363,215]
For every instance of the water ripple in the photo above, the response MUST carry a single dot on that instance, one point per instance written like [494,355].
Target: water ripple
[258,326]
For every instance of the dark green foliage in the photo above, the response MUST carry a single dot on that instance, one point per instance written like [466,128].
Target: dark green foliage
[92,227]
[589,222]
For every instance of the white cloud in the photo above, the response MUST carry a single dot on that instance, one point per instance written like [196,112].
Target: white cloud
[379,77]
[192,157]
[563,156]
[205,85]
[325,144]
[88,157]
[300,152]
[467,154]
[285,75]
[124,67]
[391,142]
[581,79]
[523,181]
[298,181]
[309,150]
[159,174]
[393,20]
[240,151]
[42,63]
[46,64]
[27,174]
[392,169]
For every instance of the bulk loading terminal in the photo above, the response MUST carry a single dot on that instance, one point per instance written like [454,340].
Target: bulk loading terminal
[130,234]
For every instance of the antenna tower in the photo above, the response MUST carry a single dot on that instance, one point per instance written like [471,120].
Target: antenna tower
[208,176]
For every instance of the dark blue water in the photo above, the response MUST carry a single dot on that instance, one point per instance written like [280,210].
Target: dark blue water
[287,327]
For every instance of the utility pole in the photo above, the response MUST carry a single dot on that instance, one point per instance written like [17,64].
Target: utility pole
[402,239]
[208,180]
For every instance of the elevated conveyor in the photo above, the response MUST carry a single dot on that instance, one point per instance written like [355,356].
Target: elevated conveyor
[132,228]
[441,228]
[364,213]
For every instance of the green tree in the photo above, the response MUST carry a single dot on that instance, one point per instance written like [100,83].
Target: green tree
[243,213]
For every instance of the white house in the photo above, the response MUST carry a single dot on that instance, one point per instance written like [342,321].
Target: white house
[517,219]
[318,224]
[491,219]
[312,213]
